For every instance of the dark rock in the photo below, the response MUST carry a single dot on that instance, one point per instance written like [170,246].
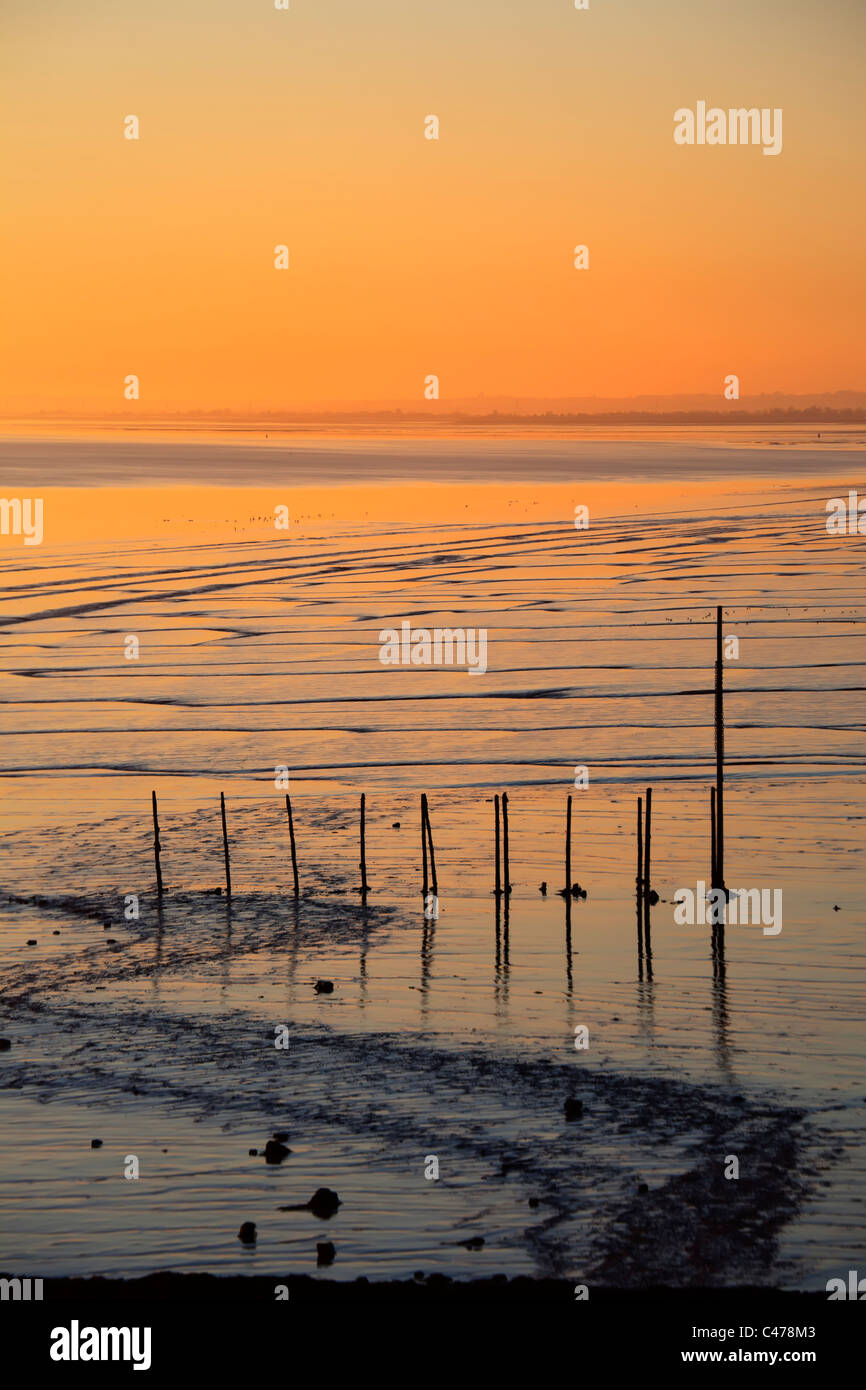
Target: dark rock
[396,825]
[573,1109]
[324,986]
[642,1188]
[324,1202]
[473,1243]
[96,1143]
[5,1044]
[275,1152]
[32,941]
[247,1233]
[325,1252]
[55,933]
[111,941]
[534,1201]
[254,1153]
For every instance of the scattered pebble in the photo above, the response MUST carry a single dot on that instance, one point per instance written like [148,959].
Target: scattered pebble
[324,1202]
[96,1143]
[325,1252]
[32,941]
[324,986]
[5,1044]
[247,1233]
[573,1109]
[396,825]
[254,1153]
[473,1243]
[275,1152]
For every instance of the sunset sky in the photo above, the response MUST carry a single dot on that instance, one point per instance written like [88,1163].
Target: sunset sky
[409,256]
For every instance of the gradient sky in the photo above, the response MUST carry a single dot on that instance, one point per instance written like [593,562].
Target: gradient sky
[410,256]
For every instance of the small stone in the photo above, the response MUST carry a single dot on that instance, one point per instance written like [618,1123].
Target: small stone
[324,986]
[473,1243]
[96,1143]
[275,1152]
[324,1202]
[396,825]
[573,1109]
[32,941]
[254,1153]
[247,1233]
[325,1252]
[55,933]
[5,1044]
[111,941]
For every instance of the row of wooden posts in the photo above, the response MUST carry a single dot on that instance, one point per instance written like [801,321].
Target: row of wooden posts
[502,881]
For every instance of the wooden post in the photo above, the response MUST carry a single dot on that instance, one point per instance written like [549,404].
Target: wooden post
[292,839]
[646,863]
[424,842]
[639,877]
[505,869]
[226,846]
[363,846]
[719,881]
[568,849]
[433,881]
[156,845]
[498,888]
[713,865]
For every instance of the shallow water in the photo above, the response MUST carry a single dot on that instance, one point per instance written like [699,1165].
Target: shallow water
[258,651]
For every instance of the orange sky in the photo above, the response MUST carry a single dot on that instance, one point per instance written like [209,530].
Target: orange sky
[409,256]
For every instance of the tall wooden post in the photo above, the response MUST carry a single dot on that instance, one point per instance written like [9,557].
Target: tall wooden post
[226,846]
[156,845]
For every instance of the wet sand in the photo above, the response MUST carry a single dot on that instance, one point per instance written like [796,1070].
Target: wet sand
[452,1038]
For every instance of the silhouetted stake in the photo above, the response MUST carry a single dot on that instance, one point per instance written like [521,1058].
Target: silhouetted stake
[498,888]
[639,877]
[505,871]
[363,846]
[719,880]
[156,846]
[646,866]
[226,846]
[292,840]
[713,866]
[424,842]
[568,850]
[433,881]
